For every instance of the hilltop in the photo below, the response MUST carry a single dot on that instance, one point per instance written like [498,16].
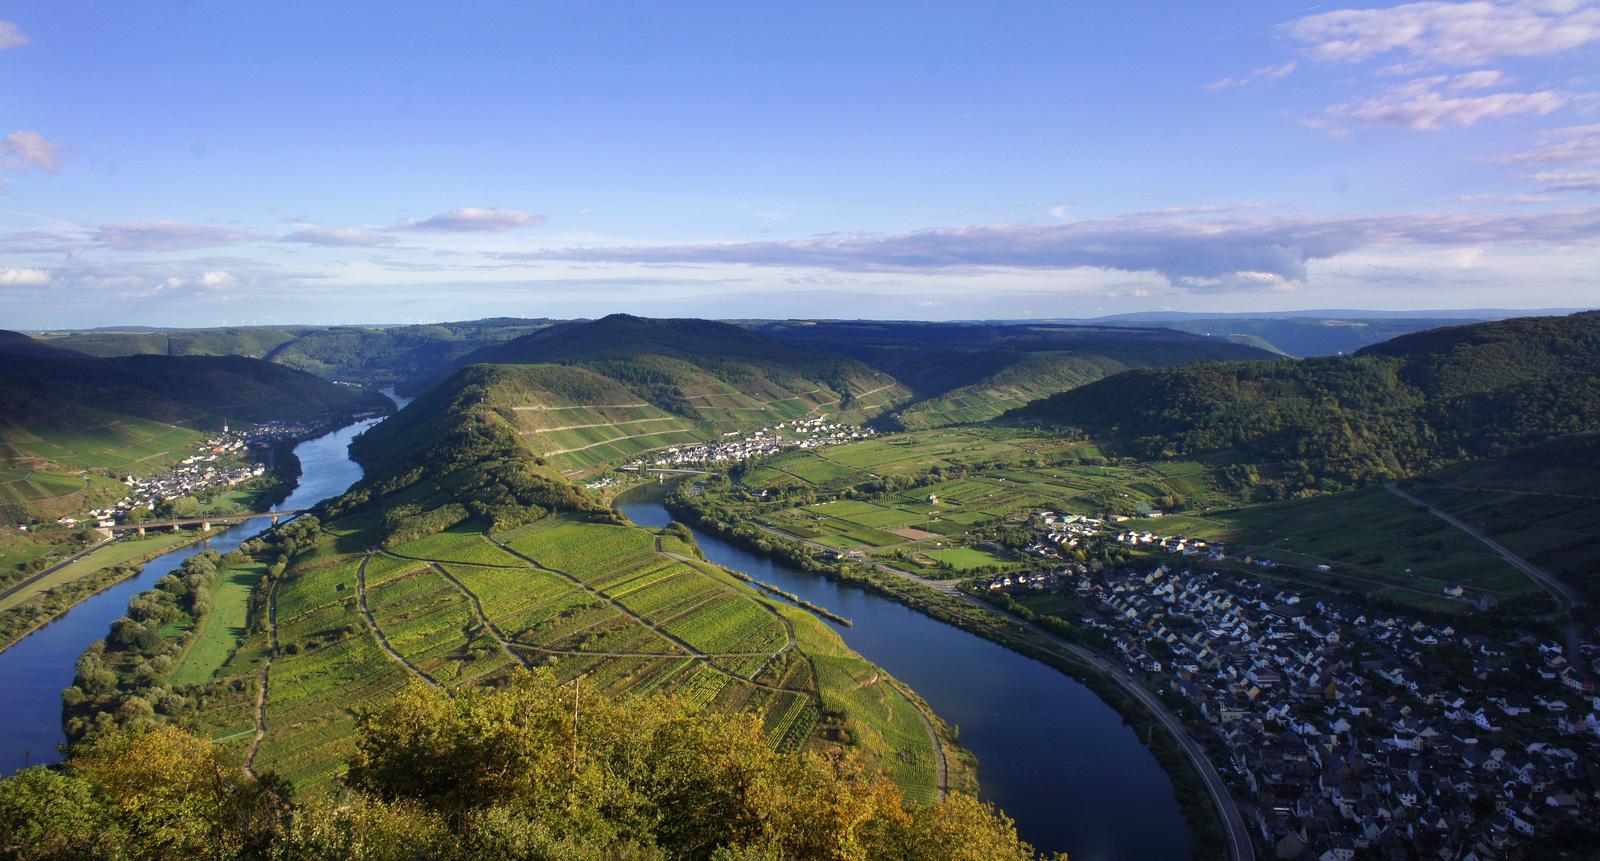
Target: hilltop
[964,372]
[1412,404]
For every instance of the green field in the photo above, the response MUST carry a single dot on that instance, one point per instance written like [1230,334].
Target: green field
[964,558]
[119,444]
[223,628]
[1369,534]
[112,554]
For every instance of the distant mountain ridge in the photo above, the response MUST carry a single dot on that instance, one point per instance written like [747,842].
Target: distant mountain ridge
[973,372]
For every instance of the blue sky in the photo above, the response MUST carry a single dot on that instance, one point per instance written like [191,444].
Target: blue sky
[201,164]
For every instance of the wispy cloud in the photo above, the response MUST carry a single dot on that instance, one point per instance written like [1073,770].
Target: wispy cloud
[1568,180]
[165,236]
[11,36]
[337,237]
[1572,145]
[1265,73]
[1449,33]
[1524,199]
[27,148]
[1238,252]
[1425,105]
[476,219]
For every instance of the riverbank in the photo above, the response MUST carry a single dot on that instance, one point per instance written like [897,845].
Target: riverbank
[1194,793]
[18,622]
[41,664]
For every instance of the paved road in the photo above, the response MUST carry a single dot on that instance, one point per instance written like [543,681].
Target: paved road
[1235,832]
[54,568]
[1565,595]
[1562,592]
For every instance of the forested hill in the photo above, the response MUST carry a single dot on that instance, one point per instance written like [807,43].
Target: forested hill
[705,370]
[973,372]
[201,392]
[1412,404]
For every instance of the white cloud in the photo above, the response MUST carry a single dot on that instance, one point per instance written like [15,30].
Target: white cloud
[474,218]
[1450,33]
[1207,253]
[1568,180]
[1265,73]
[1420,105]
[216,279]
[11,36]
[27,148]
[12,276]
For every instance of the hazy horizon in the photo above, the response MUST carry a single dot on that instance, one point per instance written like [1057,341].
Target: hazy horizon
[183,165]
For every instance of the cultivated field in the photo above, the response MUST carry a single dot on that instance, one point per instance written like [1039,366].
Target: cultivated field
[612,608]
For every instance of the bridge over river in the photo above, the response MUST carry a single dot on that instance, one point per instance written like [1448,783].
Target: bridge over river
[205,522]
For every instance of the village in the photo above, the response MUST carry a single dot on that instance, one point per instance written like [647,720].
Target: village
[1345,730]
[228,459]
[735,446]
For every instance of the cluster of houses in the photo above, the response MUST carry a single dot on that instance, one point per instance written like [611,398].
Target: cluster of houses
[224,460]
[1349,733]
[737,446]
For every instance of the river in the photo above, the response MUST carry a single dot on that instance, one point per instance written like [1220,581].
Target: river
[1051,754]
[41,665]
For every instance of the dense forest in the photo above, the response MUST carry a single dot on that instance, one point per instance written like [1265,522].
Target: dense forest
[1395,409]
[967,372]
[530,770]
[44,385]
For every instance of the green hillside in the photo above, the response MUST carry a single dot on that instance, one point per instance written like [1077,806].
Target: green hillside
[1412,404]
[71,422]
[964,373]
[583,394]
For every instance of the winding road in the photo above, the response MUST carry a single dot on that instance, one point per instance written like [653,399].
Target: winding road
[1564,594]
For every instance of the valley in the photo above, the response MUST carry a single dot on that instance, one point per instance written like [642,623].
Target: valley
[481,543]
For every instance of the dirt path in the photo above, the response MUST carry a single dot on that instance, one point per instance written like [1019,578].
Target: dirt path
[261,686]
[477,609]
[377,633]
[601,425]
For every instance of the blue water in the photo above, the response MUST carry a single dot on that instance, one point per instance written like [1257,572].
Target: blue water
[1050,753]
[41,665]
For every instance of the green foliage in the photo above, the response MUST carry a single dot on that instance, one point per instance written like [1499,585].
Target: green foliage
[1413,404]
[410,522]
[533,770]
[451,446]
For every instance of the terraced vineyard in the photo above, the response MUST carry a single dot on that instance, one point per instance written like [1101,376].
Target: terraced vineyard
[597,602]
[580,419]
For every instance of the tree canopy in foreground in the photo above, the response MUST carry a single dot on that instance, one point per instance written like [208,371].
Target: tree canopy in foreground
[530,770]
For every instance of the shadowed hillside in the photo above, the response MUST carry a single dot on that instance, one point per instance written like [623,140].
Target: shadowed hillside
[1412,404]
